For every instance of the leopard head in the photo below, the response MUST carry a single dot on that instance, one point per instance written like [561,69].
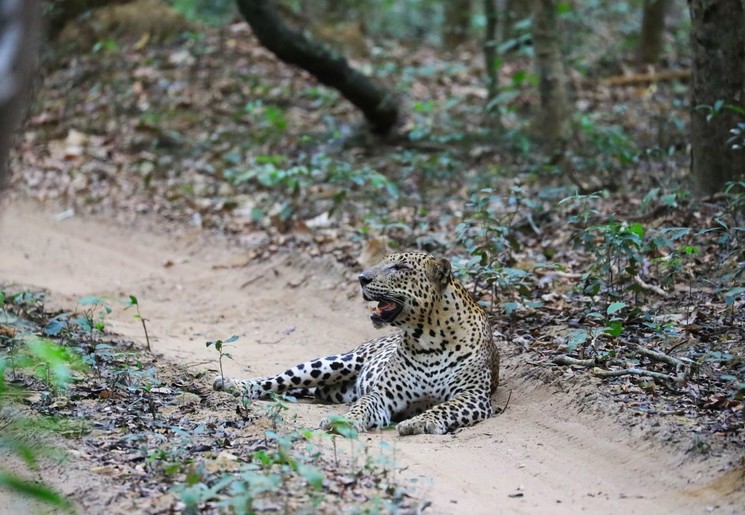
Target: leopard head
[406,286]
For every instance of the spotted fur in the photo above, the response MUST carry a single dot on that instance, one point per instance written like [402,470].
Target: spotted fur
[435,375]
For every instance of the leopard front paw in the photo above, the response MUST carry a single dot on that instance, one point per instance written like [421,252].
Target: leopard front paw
[421,425]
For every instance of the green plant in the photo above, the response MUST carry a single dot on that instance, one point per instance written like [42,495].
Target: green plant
[106,47]
[90,320]
[133,302]
[13,424]
[617,247]
[487,236]
[269,117]
[718,107]
[342,426]
[610,323]
[290,185]
[219,347]
[213,12]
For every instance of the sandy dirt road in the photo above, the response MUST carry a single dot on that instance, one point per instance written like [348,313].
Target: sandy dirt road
[548,453]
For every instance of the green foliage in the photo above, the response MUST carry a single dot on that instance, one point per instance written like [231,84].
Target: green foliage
[342,426]
[90,319]
[34,490]
[718,107]
[290,186]
[54,363]
[289,461]
[486,234]
[214,12]
[270,119]
[604,149]
[617,247]
[219,347]
[132,302]
[737,140]
[106,47]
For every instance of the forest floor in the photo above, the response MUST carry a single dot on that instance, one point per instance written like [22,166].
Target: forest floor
[233,196]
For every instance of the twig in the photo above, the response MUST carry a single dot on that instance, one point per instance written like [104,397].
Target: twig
[599,372]
[251,280]
[662,357]
[650,287]
[557,273]
[566,360]
[655,76]
[509,396]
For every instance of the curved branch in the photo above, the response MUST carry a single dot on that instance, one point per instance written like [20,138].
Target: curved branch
[377,103]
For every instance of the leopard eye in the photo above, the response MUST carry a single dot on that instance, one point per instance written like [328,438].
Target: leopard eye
[398,266]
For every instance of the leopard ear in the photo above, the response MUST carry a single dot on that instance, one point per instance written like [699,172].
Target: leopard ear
[443,273]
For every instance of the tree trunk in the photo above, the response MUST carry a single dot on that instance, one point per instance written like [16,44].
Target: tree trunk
[457,23]
[377,103]
[490,48]
[19,41]
[653,30]
[718,82]
[490,60]
[553,120]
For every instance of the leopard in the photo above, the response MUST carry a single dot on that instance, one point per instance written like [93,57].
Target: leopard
[435,374]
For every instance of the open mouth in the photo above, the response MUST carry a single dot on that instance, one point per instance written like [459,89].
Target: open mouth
[386,311]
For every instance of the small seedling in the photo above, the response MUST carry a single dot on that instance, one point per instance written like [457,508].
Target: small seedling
[138,316]
[342,426]
[219,346]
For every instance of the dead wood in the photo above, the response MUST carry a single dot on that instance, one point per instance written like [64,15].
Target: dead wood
[598,372]
[377,103]
[642,78]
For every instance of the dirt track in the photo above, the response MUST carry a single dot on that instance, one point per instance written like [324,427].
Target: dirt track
[560,457]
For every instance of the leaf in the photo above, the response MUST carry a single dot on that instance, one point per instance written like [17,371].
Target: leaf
[510,307]
[38,491]
[615,307]
[637,228]
[55,326]
[132,300]
[614,328]
[91,300]
[312,475]
[21,449]
[576,338]
[343,426]
[232,339]
[734,292]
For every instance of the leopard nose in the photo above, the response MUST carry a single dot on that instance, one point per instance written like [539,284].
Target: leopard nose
[364,280]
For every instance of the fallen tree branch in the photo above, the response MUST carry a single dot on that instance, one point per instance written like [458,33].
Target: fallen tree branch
[650,287]
[641,78]
[509,396]
[566,360]
[599,372]
[376,101]
[661,357]
[557,273]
